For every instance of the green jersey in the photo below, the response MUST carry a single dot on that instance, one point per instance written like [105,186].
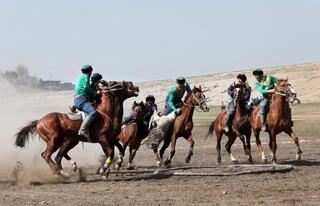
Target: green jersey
[83,86]
[266,84]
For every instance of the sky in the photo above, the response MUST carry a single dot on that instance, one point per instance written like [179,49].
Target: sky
[142,40]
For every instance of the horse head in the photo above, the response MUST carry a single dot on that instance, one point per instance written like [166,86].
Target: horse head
[283,88]
[124,89]
[199,99]
[238,92]
[137,110]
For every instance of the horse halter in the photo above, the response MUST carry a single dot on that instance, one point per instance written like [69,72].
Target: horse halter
[285,92]
[199,103]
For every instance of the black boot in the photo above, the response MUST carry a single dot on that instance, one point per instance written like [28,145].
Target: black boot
[84,128]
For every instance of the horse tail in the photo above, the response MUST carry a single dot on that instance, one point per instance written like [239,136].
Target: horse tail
[23,135]
[211,129]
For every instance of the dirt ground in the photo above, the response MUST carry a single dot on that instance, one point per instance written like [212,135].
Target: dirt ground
[301,186]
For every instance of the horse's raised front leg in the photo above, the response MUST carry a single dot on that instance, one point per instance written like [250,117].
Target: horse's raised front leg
[190,150]
[258,142]
[122,150]
[296,141]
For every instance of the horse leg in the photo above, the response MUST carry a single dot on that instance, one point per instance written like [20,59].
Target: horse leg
[296,141]
[228,145]
[172,151]
[133,151]
[273,146]
[122,150]
[190,150]
[52,146]
[218,146]
[64,149]
[248,152]
[104,170]
[155,151]
[258,142]
[165,145]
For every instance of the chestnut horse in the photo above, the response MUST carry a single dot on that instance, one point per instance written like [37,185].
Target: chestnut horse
[132,134]
[60,132]
[278,120]
[183,124]
[240,127]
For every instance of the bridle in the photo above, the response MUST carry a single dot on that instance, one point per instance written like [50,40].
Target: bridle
[198,103]
[285,92]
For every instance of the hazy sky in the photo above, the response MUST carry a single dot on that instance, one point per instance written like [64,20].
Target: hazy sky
[143,40]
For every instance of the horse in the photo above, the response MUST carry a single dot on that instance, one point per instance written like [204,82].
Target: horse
[183,124]
[240,127]
[132,134]
[61,133]
[278,120]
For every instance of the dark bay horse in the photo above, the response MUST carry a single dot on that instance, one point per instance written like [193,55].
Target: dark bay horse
[278,120]
[61,133]
[240,127]
[132,134]
[183,124]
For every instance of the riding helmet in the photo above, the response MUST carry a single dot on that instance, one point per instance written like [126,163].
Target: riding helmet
[150,98]
[242,76]
[86,69]
[96,77]
[257,72]
[181,80]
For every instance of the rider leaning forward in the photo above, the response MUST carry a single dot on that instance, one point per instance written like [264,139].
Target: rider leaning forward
[175,94]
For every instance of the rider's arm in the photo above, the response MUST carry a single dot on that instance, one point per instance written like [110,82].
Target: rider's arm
[154,108]
[188,89]
[247,94]
[230,90]
[86,85]
[260,89]
[171,95]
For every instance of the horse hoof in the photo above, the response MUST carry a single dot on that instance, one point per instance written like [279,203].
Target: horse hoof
[117,167]
[235,161]
[218,162]
[187,160]
[74,167]
[104,177]
[131,167]
[64,174]
[158,164]
[298,157]
[166,163]
[250,161]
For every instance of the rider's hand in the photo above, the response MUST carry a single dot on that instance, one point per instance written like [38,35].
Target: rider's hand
[271,91]
[99,92]
[178,111]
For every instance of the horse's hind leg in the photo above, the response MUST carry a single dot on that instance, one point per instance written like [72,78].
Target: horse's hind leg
[165,145]
[258,142]
[173,149]
[228,145]
[66,146]
[52,146]
[190,150]
[296,141]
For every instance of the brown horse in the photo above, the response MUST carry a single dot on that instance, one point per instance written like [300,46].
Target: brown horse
[60,132]
[278,120]
[132,134]
[183,124]
[240,127]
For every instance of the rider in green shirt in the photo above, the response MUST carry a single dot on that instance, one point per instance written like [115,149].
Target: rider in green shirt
[265,84]
[175,94]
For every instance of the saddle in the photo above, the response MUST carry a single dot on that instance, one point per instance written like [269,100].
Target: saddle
[75,114]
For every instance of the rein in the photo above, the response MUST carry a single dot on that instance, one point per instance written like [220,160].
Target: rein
[105,117]
[199,102]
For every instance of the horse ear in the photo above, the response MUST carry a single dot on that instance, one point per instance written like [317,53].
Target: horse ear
[200,87]
[287,79]
[135,103]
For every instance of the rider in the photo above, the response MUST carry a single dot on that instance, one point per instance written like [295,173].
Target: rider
[265,84]
[241,80]
[83,95]
[175,94]
[150,108]
[95,79]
